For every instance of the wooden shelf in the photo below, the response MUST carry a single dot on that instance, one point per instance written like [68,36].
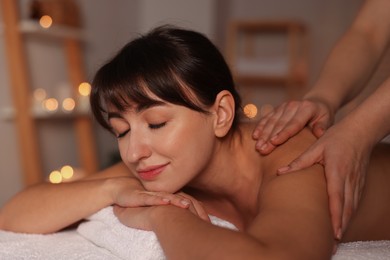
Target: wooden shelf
[9,114]
[14,32]
[32,27]
[287,69]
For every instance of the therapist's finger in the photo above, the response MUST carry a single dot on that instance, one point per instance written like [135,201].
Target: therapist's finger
[336,191]
[308,158]
[348,208]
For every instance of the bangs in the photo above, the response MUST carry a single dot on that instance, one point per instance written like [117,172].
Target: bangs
[122,84]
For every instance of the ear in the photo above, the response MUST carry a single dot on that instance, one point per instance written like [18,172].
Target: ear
[224,108]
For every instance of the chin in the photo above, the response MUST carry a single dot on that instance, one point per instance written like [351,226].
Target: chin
[160,187]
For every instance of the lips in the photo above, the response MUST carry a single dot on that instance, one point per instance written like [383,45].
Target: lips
[151,173]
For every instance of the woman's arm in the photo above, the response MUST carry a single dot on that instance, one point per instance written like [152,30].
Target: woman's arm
[46,207]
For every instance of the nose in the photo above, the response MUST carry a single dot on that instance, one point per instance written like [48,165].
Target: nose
[138,148]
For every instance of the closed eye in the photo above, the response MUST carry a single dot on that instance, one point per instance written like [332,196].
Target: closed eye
[157,126]
[120,135]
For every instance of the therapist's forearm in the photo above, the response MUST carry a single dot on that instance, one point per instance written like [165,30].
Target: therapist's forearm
[372,118]
[354,58]
[346,71]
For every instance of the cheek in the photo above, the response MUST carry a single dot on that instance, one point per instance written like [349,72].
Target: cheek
[122,147]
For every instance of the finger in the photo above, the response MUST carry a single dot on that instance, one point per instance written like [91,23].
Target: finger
[336,191]
[270,122]
[318,129]
[258,133]
[306,159]
[147,199]
[195,206]
[348,205]
[176,200]
[264,111]
[284,134]
[201,212]
[267,148]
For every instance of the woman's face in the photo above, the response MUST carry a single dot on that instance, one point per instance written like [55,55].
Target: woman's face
[165,145]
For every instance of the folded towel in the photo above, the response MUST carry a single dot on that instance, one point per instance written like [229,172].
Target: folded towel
[104,230]
[62,245]
[363,250]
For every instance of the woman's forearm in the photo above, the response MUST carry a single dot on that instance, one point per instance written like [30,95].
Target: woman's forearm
[46,207]
[182,235]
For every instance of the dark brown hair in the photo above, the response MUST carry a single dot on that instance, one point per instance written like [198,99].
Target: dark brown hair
[179,66]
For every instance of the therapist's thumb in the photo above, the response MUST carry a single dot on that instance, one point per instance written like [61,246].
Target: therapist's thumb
[305,160]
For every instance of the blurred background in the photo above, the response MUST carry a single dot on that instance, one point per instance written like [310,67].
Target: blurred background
[275,48]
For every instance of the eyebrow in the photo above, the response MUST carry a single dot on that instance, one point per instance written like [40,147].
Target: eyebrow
[138,109]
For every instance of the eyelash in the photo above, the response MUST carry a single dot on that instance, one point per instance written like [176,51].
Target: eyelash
[151,126]
[118,136]
[157,126]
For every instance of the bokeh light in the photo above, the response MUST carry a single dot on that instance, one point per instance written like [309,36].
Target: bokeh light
[85,89]
[250,110]
[55,177]
[68,104]
[51,104]
[39,94]
[67,172]
[46,21]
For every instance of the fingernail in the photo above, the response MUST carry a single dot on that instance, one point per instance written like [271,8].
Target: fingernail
[338,234]
[263,147]
[283,169]
[185,202]
[166,200]
[274,138]
[259,144]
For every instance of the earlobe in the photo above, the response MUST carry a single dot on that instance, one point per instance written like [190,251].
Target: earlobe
[225,111]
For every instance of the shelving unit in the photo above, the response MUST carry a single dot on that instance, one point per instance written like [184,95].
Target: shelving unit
[69,39]
[254,66]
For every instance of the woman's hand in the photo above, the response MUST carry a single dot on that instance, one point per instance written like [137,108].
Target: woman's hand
[345,157]
[139,217]
[129,192]
[277,126]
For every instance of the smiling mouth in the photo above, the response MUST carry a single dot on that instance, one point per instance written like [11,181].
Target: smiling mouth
[151,173]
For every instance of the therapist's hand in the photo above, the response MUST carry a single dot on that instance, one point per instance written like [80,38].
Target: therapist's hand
[278,125]
[345,156]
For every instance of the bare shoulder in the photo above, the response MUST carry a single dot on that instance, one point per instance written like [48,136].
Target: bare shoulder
[294,207]
[290,150]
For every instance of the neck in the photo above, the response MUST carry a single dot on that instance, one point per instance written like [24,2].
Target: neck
[231,181]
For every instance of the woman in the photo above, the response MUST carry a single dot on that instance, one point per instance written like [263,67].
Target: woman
[169,98]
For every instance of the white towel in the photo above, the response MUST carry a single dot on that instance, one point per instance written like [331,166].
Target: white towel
[363,250]
[63,245]
[103,237]
[104,230]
